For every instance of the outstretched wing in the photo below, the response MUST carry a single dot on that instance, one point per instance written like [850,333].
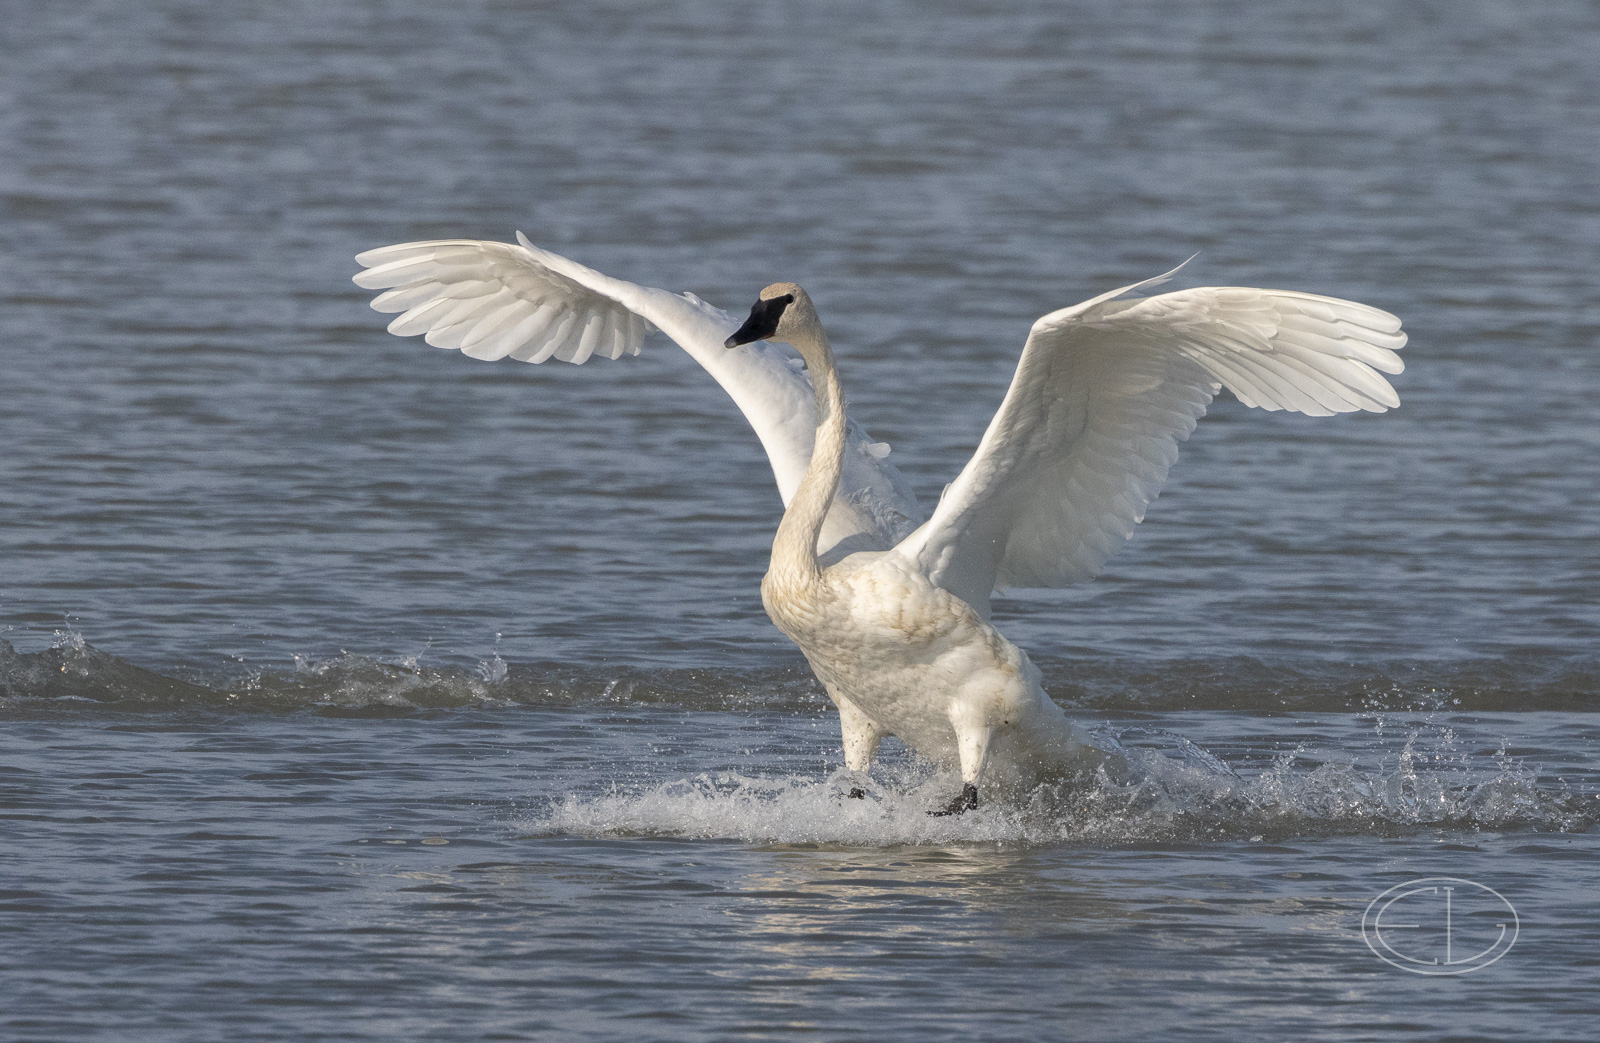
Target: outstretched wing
[514,300]
[1104,393]
[489,301]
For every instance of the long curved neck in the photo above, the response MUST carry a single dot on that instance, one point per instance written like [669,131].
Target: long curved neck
[794,549]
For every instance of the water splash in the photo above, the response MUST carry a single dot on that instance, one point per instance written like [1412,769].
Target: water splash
[494,669]
[1166,796]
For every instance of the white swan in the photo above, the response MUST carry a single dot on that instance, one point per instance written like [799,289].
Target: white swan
[895,624]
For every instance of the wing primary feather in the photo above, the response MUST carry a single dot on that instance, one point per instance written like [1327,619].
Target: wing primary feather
[531,336]
[448,248]
[1354,378]
[485,333]
[419,319]
[1291,386]
[398,273]
[407,297]
[1383,360]
[461,310]
[559,336]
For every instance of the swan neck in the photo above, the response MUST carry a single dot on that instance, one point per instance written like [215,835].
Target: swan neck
[794,549]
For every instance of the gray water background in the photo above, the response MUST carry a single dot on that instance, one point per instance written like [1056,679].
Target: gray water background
[286,590]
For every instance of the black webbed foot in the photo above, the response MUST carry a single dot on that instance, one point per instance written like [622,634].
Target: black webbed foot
[966,801]
[857,793]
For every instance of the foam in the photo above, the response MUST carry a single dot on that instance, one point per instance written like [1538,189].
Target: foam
[1166,797]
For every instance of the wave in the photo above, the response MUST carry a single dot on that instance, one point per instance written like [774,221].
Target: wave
[73,671]
[73,675]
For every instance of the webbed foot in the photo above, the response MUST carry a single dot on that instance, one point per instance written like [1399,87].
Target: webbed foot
[966,801]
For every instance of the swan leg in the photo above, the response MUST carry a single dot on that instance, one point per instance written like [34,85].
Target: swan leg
[861,735]
[972,746]
[861,738]
[966,800]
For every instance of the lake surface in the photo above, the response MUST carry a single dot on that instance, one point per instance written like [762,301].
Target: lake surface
[357,690]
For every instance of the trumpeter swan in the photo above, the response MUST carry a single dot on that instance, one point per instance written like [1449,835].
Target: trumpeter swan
[892,614]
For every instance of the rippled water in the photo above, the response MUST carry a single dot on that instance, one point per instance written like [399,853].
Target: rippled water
[358,690]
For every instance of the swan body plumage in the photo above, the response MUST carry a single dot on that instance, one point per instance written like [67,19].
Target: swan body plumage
[891,608]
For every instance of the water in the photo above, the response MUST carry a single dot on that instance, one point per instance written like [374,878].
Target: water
[357,690]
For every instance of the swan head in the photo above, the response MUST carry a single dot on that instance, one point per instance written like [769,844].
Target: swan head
[782,312]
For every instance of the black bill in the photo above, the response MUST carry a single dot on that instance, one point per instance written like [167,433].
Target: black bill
[762,323]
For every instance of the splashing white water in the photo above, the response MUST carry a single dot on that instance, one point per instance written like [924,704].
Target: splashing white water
[1163,798]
